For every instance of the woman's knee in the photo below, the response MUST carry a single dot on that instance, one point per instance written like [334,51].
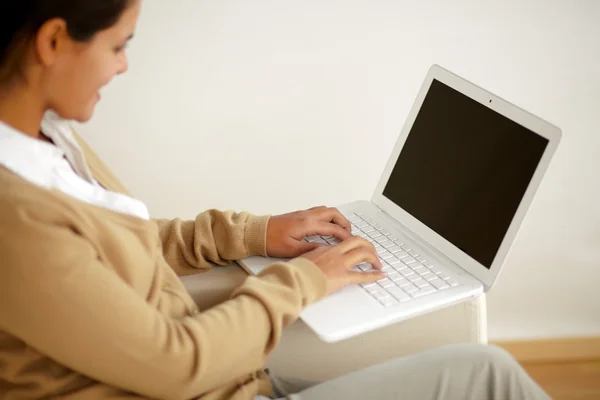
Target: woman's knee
[482,356]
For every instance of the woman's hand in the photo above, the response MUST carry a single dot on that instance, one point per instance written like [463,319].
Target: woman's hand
[285,232]
[337,261]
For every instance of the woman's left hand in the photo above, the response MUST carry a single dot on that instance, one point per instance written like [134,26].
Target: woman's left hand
[285,232]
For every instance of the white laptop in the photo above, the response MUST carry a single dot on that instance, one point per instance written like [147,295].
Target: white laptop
[447,208]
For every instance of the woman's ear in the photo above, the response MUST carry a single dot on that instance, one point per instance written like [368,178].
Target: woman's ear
[51,40]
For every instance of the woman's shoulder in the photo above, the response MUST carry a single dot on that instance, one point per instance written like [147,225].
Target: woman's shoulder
[16,191]
[22,200]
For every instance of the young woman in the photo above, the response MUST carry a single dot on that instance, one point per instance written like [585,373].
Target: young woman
[91,305]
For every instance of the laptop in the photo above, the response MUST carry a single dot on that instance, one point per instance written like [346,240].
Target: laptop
[446,210]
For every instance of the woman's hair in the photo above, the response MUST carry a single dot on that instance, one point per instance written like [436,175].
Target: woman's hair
[20,21]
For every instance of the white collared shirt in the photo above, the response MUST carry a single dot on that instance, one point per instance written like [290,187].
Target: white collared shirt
[61,166]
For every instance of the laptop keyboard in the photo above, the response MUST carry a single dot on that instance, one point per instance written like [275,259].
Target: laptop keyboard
[410,276]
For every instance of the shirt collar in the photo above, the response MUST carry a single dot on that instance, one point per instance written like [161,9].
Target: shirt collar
[59,130]
[34,159]
[30,158]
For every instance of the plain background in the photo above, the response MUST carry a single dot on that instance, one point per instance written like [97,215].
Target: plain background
[273,106]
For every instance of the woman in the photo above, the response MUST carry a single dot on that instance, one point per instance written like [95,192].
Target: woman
[90,302]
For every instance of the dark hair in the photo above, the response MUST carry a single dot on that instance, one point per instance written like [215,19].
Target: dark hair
[20,20]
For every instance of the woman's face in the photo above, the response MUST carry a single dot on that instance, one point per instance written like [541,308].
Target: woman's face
[79,70]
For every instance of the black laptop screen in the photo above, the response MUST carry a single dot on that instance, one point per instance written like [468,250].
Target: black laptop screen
[463,171]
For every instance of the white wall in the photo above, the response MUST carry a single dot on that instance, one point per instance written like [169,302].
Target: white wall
[273,106]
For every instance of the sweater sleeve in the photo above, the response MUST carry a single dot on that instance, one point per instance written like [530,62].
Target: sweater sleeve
[57,296]
[214,237]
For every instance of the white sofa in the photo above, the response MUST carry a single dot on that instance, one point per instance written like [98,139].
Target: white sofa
[301,354]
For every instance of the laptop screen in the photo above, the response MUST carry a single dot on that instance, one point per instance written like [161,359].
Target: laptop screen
[463,171]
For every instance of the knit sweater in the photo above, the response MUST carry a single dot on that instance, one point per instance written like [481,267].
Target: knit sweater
[91,305]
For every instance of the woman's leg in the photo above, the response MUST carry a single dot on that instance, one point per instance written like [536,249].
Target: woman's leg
[453,372]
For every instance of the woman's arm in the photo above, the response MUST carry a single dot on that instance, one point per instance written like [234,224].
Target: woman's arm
[214,237]
[57,296]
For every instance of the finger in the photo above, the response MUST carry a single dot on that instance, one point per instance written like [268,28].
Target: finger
[327,229]
[361,255]
[334,215]
[354,242]
[305,247]
[366,277]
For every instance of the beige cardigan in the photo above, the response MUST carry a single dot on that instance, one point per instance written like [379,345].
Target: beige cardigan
[91,305]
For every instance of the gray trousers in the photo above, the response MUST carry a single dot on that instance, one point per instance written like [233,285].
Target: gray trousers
[453,372]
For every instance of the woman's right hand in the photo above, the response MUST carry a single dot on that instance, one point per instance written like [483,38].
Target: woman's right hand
[337,262]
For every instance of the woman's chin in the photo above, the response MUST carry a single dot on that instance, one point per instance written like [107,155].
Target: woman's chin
[87,114]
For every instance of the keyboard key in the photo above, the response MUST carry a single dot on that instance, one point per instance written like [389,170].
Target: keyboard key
[436,270]
[418,267]
[388,245]
[393,275]
[422,292]
[374,235]
[452,282]
[386,255]
[368,229]
[413,278]
[439,284]
[393,261]
[410,289]
[386,283]
[414,253]
[381,239]
[408,260]
[375,288]
[421,284]
[380,296]
[406,248]
[387,269]
[399,294]
[313,238]
[407,272]
[388,301]
[401,254]
[402,282]
[400,267]
[426,274]
[365,267]
[393,248]
[430,277]
[377,292]
[421,260]
[368,284]
[361,224]
[384,232]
